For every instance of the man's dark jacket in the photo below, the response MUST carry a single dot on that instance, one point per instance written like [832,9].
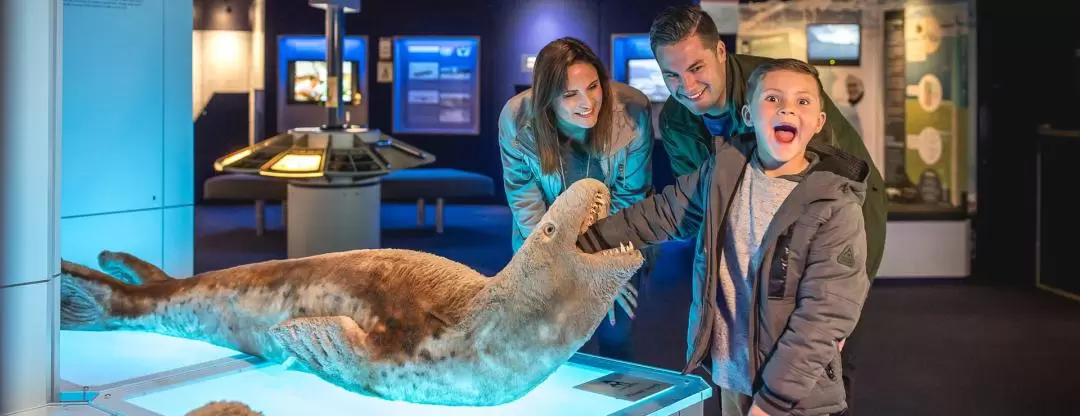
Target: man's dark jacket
[689,144]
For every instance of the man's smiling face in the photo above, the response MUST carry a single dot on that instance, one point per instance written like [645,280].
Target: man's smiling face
[695,74]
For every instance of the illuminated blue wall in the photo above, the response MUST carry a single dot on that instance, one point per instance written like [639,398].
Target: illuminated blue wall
[127,152]
[625,48]
[313,47]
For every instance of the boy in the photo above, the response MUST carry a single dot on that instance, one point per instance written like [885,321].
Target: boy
[783,277]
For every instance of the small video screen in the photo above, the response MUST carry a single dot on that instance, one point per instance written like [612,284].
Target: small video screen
[833,44]
[309,81]
[645,75]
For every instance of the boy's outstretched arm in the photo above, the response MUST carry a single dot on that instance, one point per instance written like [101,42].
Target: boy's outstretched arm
[674,213]
[830,300]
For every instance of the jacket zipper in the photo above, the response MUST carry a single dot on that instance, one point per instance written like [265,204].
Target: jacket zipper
[698,357]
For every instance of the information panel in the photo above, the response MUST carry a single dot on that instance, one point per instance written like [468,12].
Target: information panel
[437,85]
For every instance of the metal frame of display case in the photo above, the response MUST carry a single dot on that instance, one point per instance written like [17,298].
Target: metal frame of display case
[1048,131]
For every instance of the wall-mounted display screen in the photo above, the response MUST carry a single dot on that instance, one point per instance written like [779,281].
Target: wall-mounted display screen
[633,63]
[307,81]
[437,85]
[833,44]
[645,75]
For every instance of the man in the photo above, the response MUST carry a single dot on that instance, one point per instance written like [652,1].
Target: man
[708,89]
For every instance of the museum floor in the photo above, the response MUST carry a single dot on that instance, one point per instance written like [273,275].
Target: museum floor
[925,348]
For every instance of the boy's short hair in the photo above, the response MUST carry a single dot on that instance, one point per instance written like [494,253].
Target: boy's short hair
[784,64]
[680,22]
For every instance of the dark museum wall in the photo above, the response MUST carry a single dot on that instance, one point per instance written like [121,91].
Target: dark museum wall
[507,29]
[1022,85]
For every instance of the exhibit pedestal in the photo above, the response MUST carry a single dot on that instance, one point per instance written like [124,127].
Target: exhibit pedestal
[333,217]
[173,376]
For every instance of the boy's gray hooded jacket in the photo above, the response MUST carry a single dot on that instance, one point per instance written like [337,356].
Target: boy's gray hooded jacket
[809,289]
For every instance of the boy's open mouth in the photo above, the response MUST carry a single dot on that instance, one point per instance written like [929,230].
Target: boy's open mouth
[785,133]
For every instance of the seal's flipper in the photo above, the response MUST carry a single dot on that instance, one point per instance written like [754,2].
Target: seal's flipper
[332,347]
[130,269]
[83,294]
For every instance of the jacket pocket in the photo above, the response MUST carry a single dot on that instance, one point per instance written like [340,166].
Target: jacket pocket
[778,269]
[828,396]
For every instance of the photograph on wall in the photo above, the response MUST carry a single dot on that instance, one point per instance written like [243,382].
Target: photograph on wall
[935,109]
[847,89]
[437,87]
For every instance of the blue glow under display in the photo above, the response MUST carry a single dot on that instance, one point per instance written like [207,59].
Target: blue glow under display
[633,62]
[437,85]
[102,358]
[108,366]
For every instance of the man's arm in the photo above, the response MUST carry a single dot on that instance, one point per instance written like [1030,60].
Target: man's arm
[876,206]
[675,213]
[830,301]
[637,178]
[523,195]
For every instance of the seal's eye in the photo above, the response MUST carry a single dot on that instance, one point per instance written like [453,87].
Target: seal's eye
[549,229]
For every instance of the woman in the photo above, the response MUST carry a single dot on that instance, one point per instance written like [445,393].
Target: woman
[574,123]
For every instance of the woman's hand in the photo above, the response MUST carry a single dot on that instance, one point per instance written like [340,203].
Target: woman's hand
[626,299]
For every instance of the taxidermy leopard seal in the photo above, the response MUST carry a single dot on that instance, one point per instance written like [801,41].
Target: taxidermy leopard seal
[397,324]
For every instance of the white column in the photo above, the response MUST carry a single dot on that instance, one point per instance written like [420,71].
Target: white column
[29,208]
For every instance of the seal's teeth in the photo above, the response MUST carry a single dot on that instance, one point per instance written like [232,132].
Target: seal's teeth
[630,245]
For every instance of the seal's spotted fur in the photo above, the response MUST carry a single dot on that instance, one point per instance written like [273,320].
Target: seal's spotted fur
[403,325]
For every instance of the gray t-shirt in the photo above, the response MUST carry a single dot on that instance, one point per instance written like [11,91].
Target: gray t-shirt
[755,203]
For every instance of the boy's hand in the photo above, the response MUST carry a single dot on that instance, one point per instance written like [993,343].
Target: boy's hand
[756,411]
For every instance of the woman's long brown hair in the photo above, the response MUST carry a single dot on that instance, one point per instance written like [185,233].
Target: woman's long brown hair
[548,85]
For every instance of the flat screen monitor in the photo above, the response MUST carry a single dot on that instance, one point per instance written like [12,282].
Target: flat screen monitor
[307,81]
[645,75]
[835,44]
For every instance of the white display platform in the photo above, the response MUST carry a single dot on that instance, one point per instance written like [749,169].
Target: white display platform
[63,410]
[926,249]
[149,374]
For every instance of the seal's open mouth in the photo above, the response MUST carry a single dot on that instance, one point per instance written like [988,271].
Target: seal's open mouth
[597,210]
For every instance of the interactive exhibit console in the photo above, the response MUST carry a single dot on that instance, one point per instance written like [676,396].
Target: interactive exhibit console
[333,171]
[333,174]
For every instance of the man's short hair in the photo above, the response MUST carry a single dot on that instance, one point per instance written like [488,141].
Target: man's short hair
[680,22]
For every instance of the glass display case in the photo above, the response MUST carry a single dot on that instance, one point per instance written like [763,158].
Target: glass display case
[135,373]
